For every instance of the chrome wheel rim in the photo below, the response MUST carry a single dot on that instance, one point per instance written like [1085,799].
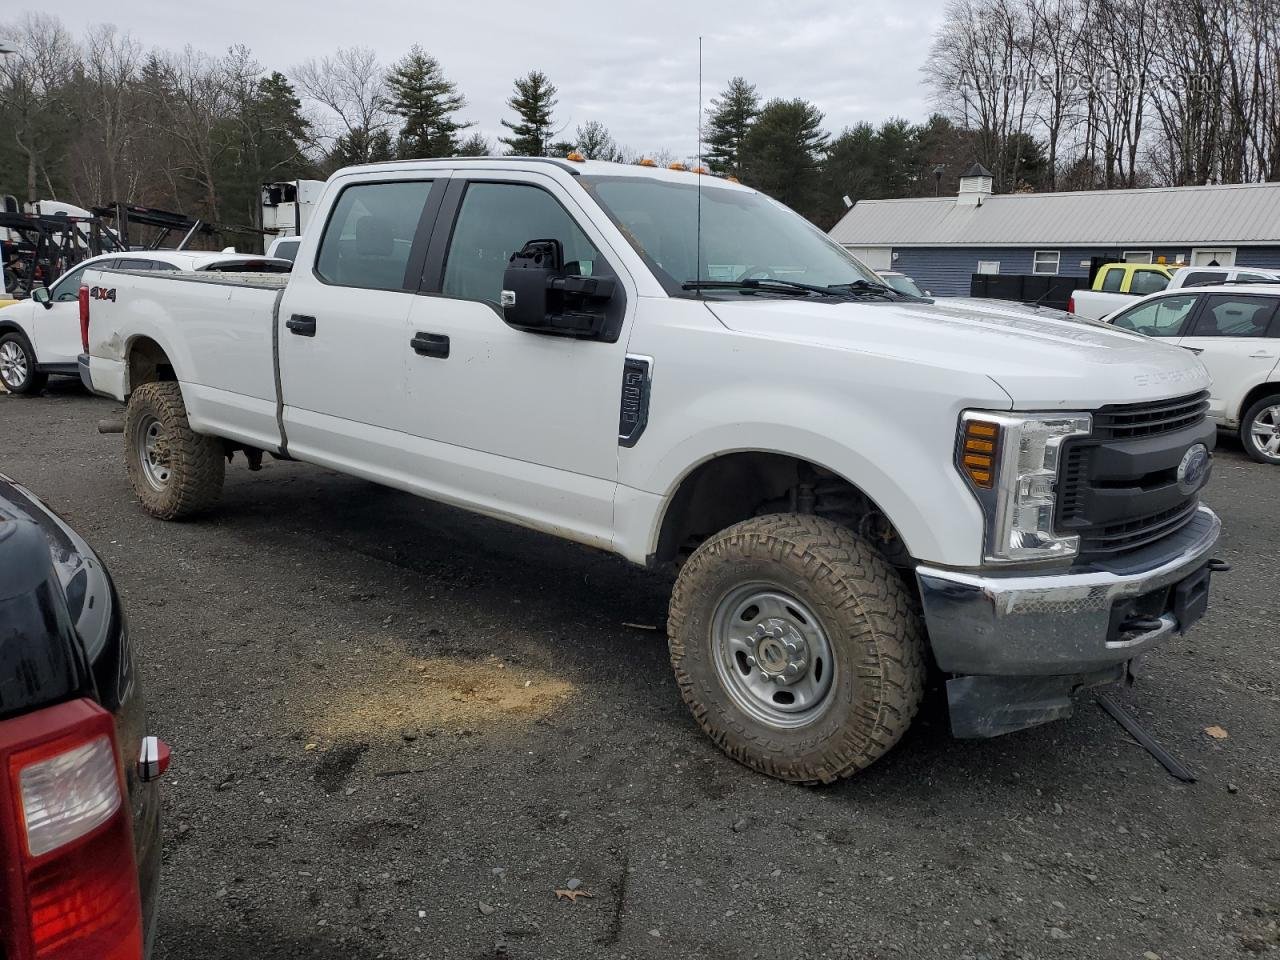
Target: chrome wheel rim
[13,364]
[772,656]
[153,452]
[1265,432]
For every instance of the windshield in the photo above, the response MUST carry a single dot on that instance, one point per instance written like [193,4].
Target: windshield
[744,235]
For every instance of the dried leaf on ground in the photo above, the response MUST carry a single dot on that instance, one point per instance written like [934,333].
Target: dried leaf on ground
[572,895]
[1217,732]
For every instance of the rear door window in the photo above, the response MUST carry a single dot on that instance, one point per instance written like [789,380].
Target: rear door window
[1225,315]
[135,263]
[370,234]
[1112,277]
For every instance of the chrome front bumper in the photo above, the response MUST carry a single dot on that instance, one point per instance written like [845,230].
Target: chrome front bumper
[1023,625]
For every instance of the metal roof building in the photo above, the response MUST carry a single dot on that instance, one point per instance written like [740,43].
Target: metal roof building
[942,242]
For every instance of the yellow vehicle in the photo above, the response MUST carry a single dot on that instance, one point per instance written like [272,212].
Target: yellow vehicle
[1116,285]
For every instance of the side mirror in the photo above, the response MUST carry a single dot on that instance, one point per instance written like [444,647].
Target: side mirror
[40,294]
[538,296]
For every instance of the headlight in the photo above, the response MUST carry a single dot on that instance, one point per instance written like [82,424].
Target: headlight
[1011,463]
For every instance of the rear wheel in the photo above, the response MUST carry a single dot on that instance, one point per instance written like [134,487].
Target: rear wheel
[18,365]
[174,471]
[797,647]
[1260,430]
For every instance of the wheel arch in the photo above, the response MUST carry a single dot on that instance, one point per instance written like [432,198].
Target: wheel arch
[1254,395]
[146,360]
[727,488]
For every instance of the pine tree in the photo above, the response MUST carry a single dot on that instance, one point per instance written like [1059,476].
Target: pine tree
[596,143]
[782,153]
[732,115]
[419,92]
[359,146]
[533,101]
[476,145]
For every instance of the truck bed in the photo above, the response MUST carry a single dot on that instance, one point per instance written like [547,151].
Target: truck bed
[217,331]
[264,281]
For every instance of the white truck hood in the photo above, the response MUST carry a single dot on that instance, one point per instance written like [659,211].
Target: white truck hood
[1043,363]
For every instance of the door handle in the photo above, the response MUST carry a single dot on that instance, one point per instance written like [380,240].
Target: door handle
[1262,355]
[301,326]
[430,345]
[1196,350]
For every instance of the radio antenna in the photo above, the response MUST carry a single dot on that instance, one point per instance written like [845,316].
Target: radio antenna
[698,239]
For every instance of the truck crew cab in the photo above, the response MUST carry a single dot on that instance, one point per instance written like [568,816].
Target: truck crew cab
[852,481]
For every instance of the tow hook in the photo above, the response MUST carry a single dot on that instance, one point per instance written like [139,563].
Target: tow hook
[153,761]
[1218,566]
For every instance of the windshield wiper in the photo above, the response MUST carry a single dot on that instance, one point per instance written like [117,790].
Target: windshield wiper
[769,284]
[870,288]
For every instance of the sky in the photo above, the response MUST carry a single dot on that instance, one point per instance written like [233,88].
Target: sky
[633,66]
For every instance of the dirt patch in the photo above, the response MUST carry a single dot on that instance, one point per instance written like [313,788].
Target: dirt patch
[439,693]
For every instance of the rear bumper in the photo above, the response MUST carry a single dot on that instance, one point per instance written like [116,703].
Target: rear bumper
[1034,638]
[82,366]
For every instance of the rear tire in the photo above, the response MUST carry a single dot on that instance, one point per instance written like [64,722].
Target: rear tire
[174,471]
[18,366]
[1260,430]
[757,608]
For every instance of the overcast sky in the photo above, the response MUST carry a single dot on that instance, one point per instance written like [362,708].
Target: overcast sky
[631,65]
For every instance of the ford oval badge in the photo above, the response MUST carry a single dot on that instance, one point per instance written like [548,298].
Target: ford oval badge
[1192,469]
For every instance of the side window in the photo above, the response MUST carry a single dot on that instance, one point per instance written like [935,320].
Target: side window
[1112,277]
[135,263]
[1164,317]
[1148,281]
[497,220]
[370,232]
[1200,278]
[68,285]
[1227,316]
[161,265]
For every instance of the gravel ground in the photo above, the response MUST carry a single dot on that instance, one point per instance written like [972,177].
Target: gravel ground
[399,729]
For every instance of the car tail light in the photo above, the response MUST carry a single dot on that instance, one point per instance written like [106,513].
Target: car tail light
[71,886]
[1071,306]
[84,317]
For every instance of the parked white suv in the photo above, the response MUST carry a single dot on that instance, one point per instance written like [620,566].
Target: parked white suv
[1235,331]
[851,481]
[40,336]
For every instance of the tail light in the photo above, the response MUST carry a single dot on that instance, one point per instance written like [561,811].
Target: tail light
[71,881]
[1071,307]
[84,317]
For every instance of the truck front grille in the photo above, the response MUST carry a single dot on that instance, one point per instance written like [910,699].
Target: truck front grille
[1118,487]
[1126,421]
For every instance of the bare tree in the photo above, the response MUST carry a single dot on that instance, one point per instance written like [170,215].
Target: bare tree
[348,92]
[108,111]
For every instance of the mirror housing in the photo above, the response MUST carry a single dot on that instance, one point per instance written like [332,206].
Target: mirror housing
[40,294]
[540,297]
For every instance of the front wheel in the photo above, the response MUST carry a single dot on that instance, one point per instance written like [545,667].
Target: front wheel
[174,471]
[1260,430]
[797,647]
[18,365]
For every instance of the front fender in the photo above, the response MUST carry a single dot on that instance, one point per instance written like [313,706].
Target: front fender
[907,473]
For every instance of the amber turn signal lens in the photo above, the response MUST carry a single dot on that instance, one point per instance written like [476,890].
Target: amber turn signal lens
[978,456]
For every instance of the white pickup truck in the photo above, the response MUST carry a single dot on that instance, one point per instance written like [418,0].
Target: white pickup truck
[853,483]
